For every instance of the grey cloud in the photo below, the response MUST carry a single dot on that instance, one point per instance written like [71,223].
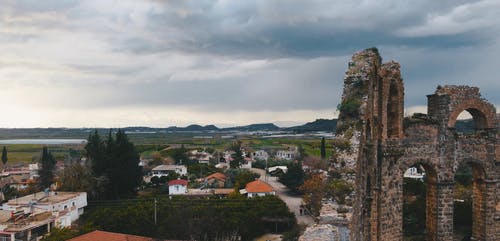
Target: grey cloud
[238,55]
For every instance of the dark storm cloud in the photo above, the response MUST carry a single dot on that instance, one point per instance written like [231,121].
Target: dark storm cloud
[237,55]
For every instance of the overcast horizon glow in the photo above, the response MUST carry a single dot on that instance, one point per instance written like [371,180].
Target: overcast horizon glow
[161,63]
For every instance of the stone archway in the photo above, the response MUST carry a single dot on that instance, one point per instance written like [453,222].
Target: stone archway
[431,201]
[427,138]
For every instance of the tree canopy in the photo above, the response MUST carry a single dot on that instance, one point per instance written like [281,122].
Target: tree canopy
[115,160]
[294,177]
[237,155]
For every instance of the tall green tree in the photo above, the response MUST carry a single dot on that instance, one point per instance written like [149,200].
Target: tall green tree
[115,164]
[126,173]
[95,153]
[323,148]
[294,177]
[237,155]
[4,155]
[46,172]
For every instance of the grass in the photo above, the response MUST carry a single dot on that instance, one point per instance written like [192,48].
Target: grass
[27,153]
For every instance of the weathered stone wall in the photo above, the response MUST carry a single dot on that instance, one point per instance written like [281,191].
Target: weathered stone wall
[388,146]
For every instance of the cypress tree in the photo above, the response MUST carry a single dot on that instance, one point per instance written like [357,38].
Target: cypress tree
[323,151]
[117,161]
[4,155]
[46,171]
[95,153]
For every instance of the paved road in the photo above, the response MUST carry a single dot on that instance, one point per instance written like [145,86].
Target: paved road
[293,202]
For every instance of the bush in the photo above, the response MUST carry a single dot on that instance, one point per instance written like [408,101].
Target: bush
[194,219]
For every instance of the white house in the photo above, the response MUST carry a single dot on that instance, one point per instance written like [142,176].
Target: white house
[33,170]
[164,170]
[414,173]
[34,215]
[202,157]
[285,154]
[261,155]
[258,188]
[177,187]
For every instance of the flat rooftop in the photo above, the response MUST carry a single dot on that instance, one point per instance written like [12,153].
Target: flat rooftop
[42,198]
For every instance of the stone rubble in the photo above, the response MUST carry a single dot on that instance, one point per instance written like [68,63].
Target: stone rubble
[323,232]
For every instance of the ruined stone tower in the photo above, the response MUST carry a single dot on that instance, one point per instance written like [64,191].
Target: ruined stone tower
[389,144]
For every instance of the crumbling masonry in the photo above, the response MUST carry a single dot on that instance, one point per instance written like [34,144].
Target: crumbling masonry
[390,144]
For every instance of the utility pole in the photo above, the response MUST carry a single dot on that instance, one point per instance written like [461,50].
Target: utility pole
[155,210]
[265,173]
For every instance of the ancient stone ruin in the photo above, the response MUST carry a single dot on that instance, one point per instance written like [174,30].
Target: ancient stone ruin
[372,104]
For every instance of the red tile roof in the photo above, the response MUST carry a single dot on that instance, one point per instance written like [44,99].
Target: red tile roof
[258,186]
[217,175]
[178,182]
[108,236]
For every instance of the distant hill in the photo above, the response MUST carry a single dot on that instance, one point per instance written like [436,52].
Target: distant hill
[317,125]
[465,126]
[254,127]
[193,128]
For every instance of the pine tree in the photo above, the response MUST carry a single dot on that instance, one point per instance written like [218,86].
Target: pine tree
[46,171]
[4,155]
[323,151]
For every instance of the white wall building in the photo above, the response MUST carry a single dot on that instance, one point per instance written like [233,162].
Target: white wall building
[164,170]
[177,187]
[35,214]
[414,173]
[261,155]
[258,188]
[285,154]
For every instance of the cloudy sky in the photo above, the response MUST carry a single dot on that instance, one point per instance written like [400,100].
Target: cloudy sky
[160,63]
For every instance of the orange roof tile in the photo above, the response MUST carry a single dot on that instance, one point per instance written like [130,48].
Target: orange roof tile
[258,186]
[178,182]
[109,236]
[217,175]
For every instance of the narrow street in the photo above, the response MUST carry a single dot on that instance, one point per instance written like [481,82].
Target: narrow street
[293,202]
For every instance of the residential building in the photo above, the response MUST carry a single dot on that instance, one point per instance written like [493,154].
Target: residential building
[202,157]
[32,216]
[215,180]
[177,187]
[247,163]
[288,154]
[414,173]
[164,170]
[258,188]
[261,155]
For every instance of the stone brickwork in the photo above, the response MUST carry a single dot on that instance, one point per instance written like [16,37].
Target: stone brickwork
[390,144]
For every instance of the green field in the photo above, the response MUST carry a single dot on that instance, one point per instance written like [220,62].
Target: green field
[28,153]
[147,143]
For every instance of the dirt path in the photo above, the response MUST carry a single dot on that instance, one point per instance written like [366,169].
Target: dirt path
[293,202]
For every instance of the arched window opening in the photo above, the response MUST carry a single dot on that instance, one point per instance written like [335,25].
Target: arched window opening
[467,205]
[470,120]
[418,191]
[393,103]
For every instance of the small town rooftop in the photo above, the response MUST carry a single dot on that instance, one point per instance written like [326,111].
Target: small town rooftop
[42,197]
